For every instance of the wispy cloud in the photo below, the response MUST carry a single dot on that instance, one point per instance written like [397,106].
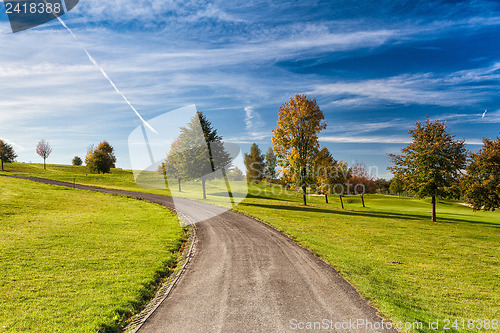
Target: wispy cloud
[459,88]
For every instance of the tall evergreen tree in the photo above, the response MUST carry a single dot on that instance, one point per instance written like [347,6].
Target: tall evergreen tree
[254,163]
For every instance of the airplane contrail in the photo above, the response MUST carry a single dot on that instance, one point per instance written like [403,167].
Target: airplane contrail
[107,76]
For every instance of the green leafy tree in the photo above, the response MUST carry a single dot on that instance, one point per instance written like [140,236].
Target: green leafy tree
[254,162]
[77,161]
[431,164]
[295,140]
[100,159]
[172,167]
[7,154]
[481,183]
[270,170]
[198,152]
[396,186]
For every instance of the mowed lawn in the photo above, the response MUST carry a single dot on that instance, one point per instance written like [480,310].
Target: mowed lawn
[410,268]
[77,261]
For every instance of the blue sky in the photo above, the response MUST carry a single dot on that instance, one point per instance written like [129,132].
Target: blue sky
[375,67]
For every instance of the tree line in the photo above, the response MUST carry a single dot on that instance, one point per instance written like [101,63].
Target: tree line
[99,159]
[434,164]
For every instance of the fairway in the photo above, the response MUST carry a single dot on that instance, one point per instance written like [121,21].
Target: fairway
[77,261]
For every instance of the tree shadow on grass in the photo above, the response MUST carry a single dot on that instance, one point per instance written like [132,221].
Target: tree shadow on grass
[393,215]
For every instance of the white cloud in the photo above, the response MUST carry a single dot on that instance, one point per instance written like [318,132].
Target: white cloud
[365,139]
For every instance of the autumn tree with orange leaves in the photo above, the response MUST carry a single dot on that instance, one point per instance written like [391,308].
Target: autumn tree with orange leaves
[295,139]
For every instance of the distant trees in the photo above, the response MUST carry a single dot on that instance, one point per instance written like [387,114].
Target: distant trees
[236,174]
[481,184]
[383,185]
[361,181]
[295,139]
[77,161]
[430,165]
[7,154]
[100,159]
[43,149]
[197,153]
[254,162]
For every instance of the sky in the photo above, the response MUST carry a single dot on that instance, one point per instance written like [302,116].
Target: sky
[374,67]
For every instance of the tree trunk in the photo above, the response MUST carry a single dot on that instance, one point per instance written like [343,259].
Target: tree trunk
[2,165]
[179,183]
[44,167]
[341,202]
[434,208]
[363,200]
[326,198]
[203,185]
[228,187]
[304,195]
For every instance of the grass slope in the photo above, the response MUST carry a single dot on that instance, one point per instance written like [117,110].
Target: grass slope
[77,261]
[410,268]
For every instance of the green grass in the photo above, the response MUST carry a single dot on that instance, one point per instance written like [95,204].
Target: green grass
[77,261]
[410,268]
[407,266]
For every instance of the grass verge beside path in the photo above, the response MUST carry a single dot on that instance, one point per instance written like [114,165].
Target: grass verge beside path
[77,261]
[410,268]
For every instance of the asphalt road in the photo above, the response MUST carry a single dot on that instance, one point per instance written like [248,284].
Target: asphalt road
[247,277]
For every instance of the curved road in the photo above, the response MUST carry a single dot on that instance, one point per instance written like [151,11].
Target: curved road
[247,277]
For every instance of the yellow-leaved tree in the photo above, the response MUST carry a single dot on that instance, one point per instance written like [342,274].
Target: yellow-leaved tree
[295,140]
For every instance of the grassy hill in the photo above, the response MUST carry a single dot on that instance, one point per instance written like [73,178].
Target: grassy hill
[77,261]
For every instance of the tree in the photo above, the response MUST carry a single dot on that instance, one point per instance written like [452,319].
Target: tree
[43,149]
[254,163]
[172,167]
[481,183]
[199,151]
[100,159]
[295,139]
[270,170]
[77,161]
[396,186]
[7,154]
[431,164]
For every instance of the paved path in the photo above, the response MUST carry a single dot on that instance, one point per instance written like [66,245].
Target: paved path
[247,277]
